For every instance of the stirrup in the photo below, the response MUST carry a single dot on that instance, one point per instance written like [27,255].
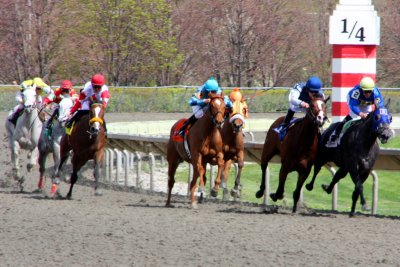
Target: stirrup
[332,143]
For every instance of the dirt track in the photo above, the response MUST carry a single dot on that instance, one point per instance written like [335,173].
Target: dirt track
[135,229]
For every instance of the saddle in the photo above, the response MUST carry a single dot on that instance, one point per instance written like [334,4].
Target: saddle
[282,129]
[346,127]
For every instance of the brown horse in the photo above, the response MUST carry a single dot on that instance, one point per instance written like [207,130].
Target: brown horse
[204,145]
[232,136]
[297,150]
[86,141]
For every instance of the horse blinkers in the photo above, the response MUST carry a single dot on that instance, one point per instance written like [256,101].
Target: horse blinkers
[382,120]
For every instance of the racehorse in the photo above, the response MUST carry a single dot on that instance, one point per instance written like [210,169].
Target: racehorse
[356,153]
[50,140]
[233,147]
[297,150]
[201,145]
[86,140]
[25,134]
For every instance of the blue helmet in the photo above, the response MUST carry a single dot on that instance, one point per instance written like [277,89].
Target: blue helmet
[314,84]
[211,85]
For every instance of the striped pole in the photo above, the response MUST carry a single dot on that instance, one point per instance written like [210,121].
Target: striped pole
[354,32]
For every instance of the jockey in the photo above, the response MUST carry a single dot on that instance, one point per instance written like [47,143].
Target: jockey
[199,101]
[64,91]
[299,98]
[35,84]
[95,90]
[360,100]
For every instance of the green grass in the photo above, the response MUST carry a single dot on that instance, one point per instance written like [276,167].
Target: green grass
[388,194]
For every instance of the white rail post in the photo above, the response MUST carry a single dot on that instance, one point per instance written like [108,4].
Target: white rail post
[126,166]
[212,176]
[375,187]
[152,163]
[335,190]
[190,174]
[106,159]
[138,170]
[119,166]
[266,191]
[111,170]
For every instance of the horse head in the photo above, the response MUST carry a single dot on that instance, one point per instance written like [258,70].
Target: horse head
[381,123]
[238,114]
[317,110]
[29,97]
[217,110]
[96,117]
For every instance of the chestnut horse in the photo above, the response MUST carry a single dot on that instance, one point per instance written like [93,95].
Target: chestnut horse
[297,150]
[203,145]
[86,141]
[233,147]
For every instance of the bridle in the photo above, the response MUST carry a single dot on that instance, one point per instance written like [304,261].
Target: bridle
[314,116]
[214,115]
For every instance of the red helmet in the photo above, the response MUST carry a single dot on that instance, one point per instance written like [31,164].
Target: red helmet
[98,79]
[66,84]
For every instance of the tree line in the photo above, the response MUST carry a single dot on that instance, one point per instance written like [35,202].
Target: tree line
[169,42]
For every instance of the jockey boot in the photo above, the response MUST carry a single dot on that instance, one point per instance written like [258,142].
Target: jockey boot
[282,127]
[333,140]
[75,118]
[190,121]
[14,116]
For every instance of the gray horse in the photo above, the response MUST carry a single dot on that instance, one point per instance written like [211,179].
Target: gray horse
[25,135]
[49,142]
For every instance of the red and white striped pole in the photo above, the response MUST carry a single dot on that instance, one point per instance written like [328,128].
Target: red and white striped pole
[354,32]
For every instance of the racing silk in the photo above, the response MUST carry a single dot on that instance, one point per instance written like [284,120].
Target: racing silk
[88,95]
[359,103]
[36,83]
[299,94]
[59,96]
[198,97]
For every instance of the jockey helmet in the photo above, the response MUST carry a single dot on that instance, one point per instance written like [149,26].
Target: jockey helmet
[39,82]
[314,84]
[66,84]
[211,85]
[235,95]
[367,84]
[98,80]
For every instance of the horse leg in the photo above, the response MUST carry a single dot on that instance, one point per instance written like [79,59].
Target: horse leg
[235,192]
[202,176]
[260,192]
[224,179]
[317,169]
[302,177]
[98,160]
[193,187]
[16,171]
[358,190]
[32,157]
[281,187]
[341,173]
[172,166]
[221,168]
[76,166]
[364,205]
[42,169]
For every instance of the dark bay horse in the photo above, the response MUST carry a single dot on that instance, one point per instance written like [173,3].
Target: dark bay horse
[297,150]
[87,140]
[204,143]
[233,147]
[356,153]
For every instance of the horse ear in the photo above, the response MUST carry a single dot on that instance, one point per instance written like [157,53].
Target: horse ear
[327,99]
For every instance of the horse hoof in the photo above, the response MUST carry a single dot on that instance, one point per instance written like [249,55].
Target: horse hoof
[260,194]
[235,193]
[309,187]
[98,193]
[325,188]
[365,207]
[195,206]
[37,191]
[29,167]
[351,215]
[273,197]
[169,205]
[214,193]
